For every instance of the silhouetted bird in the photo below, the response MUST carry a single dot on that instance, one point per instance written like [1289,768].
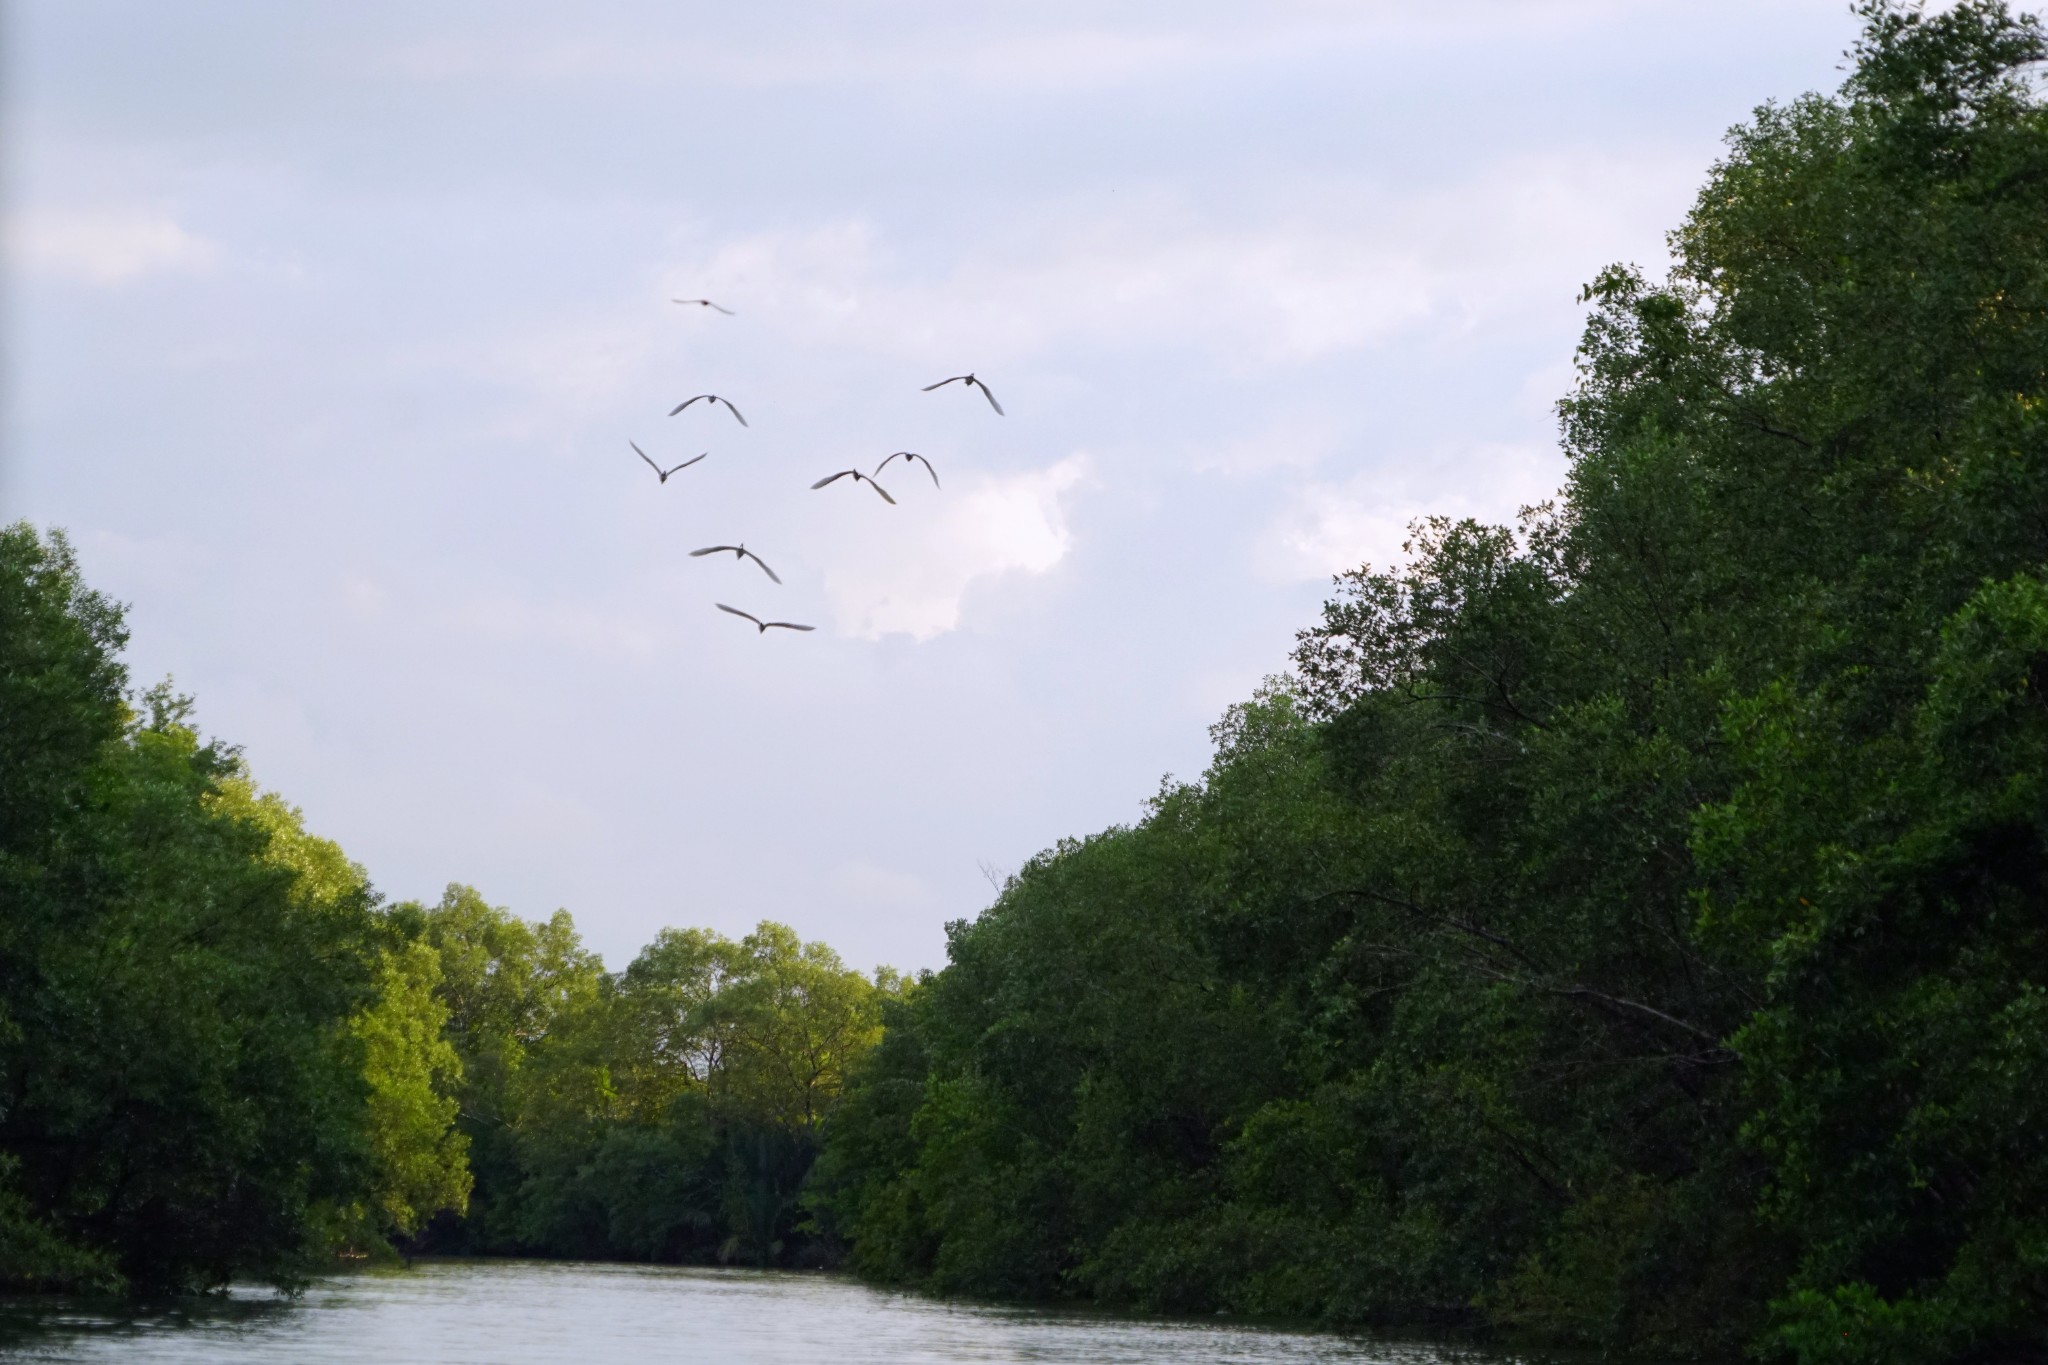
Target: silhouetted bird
[764,625]
[971,383]
[908,455]
[657,468]
[706,303]
[708,397]
[858,477]
[739,552]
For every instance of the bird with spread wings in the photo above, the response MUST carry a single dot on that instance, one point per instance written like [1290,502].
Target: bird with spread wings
[907,456]
[857,477]
[664,473]
[738,552]
[711,398]
[971,382]
[765,626]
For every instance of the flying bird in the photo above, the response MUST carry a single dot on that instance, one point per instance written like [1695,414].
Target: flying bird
[762,625]
[739,552]
[708,397]
[906,456]
[858,477]
[657,468]
[706,303]
[971,383]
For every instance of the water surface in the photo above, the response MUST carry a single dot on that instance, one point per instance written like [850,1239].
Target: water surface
[527,1312]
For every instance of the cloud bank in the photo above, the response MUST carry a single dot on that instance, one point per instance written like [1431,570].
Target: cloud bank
[912,581]
[105,247]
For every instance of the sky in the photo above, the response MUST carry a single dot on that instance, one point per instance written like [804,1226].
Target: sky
[326,329]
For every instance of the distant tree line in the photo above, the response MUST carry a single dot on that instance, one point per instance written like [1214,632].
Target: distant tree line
[668,1112]
[223,1056]
[1629,927]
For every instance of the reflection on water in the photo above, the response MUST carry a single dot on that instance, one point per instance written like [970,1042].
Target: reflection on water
[522,1312]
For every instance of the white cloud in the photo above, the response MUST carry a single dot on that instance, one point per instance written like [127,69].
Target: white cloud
[1040,48]
[1128,279]
[811,275]
[912,581]
[1330,528]
[1349,267]
[1090,56]
[105,247]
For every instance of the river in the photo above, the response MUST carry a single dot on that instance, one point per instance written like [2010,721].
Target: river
[528,1312]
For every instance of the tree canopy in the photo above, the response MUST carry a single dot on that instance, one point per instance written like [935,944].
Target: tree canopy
[223,1055]
[1625,926]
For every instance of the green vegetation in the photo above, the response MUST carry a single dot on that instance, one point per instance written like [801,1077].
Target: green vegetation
[1624,928]
[222,1056]
[1628,927]
[667,1112]
[178,1085]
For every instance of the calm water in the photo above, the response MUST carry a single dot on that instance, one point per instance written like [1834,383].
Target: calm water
[522,1313]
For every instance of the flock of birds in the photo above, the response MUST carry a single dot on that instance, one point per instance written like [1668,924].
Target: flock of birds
[741,552]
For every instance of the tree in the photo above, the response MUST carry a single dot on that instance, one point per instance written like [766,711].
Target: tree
[795,1017]
[1644,903]
[413,1073]
[179,1100]
[411,1070]
[508,986]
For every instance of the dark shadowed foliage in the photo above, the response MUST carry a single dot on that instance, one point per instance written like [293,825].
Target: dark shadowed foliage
[1627,927]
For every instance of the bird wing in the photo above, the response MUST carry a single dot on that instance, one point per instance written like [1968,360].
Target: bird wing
[737,612]
[685,464]
[927,468]
[885,464]
[727,311]
[730,408]
[712,550]
[879,489]
[943,382]
[643,455]
[791,625]
[749,554]
[840,475]
[991,398]
[680,406]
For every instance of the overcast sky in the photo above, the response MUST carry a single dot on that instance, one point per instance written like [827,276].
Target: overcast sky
[327,327]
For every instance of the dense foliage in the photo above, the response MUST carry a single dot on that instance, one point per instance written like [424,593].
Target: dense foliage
[666,1112]
[221,1055]
[1626,927]
[1623,928]
[180,1093]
